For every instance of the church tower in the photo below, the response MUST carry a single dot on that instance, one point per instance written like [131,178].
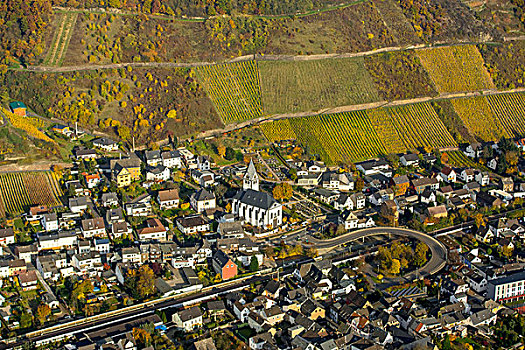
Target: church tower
[250,180]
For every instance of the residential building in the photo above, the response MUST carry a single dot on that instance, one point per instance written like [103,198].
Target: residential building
[153,158]
[188,319]
[94,227]
[7,236]
[171,159]
[193,224]
[202,200]
[106,144]
[50,222]
[224,265]
[508,288]
[155,230]
[158,173]
[168,199]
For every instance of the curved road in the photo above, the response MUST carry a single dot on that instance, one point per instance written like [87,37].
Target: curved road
[438,250]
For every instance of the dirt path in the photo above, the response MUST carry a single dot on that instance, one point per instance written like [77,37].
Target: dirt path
[256,57]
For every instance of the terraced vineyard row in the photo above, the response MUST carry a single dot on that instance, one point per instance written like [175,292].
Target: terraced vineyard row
[234,89]
[354,136]
[19,191]
[510,110]
[479,118]
[384,126]
[350,137]
[418,125]
[298,86]
[456,68]
[61,38]
[458,159]
[278,130]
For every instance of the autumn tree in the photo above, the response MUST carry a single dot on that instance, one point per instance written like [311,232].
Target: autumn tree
[42,313]
[480,220]
[395,268]
[420,256]
[221,151]
[444,158]
[141,336]
[145,281]
[283,191]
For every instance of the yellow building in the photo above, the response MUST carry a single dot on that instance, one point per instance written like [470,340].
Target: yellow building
[123,178]
[125,171]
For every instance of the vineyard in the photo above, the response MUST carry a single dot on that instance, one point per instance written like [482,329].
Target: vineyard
[418,125]
[456,68]
[349,137]
[28,124]
[298,86]
[460,160]
[19,191]
[233,89]
[384,126]
[278,130]
[354,136]
[477,116]
[61,38]
[510,110]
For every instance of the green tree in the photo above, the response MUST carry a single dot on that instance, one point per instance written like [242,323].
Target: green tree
[254,264]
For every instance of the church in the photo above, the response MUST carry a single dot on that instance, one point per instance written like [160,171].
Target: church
[254,207]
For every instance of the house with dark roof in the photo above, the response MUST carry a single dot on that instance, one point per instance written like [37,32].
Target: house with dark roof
[258,209]
[106,144]
[188,319]
[202,200]
[224,265]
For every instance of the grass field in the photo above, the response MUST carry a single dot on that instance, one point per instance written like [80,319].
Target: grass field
[21,190]
[297,86]
[510,110]
[479,119]
[456,68]
[233,89]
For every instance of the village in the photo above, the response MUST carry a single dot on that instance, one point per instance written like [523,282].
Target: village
[154,225]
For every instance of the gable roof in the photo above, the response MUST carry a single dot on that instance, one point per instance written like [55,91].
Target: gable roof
[255,199]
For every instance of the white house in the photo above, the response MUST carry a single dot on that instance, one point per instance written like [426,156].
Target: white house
[192,224]
[188,319]
[448,174]
[483,178]
[410,159]
[202,200]
[153,158]
[106,144]
[168,199]
[50,222]
[94,227]
[158,173]
[171,159]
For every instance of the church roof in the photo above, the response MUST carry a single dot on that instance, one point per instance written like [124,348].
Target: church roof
[251,172]
[256,199]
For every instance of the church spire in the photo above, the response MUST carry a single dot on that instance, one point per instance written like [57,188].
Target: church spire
[250,180]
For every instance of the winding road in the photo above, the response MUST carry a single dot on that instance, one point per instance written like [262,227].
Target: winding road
[437,249]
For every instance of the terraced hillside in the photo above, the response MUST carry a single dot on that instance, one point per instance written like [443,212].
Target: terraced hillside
[350,137]
[456,68]
[62,36]
[477,116]
[21,190]
[234,89]
[510,110]
[297,86]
